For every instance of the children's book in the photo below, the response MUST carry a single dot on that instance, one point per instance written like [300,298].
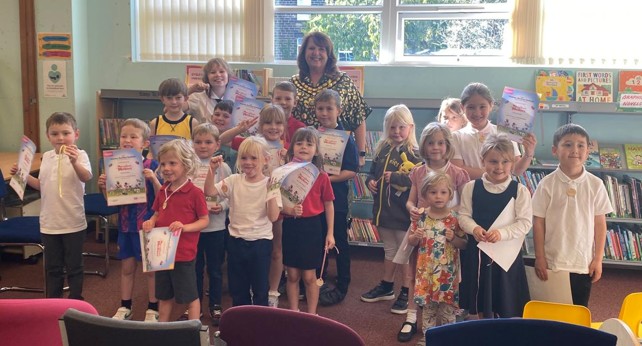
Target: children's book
[633,154]
[292,182]
[247,109]
[193,74]
[594,86]
[262,78]
[517,113]
[593,160]
[157,141]
[612,156]
[555,85]
[158,249]
[630,91]
[240,89]
[332,145]
[125,182]
[25,157]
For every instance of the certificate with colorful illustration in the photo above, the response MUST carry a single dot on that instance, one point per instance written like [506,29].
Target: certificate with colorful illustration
[25,158]
[240,89]
[199,180]
[292,182]
[247,109]
[158,249]
[332,145]
[125,182]
[517,113]
[157,141]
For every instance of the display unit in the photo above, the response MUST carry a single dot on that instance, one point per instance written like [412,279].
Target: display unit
[623,248]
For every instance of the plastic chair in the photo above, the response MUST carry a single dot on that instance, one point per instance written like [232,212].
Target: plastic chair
[250,325]
[20,231]
[625,336]
[569,313]
[35,321]
[80,329]
[96,206]
[516,331]
[630,313]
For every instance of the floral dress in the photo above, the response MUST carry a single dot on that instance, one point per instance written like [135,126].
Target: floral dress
[437,277]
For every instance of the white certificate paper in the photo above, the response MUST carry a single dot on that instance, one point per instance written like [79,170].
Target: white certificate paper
[557,289]
[292,181]
[125,182]
[517,113]
[25,159]
[158,249]
[332,146]
[504,252]
[239,90]
[247,109]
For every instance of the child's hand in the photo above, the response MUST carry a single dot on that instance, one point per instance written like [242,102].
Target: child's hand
[216,162]
[148,225]
[450,235]
[415,236]
[386,176]
[216,209]
[493,236]
[540,268]
[479,233]
[329,242]
[176,227]
[102,179]
[372,186]
[298,210]
[198,87]
[72,152]
[245,124]
[14,169]
[529,142]
[595,269]
[149,174]
[415,213]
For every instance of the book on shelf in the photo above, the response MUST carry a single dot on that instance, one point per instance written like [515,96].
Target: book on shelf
[530,179]
[635,188]
[594,86]
[633,153]
[193,74]
[109,132]
[623,243]
[262,79]
[357,74]
[612,156]
[555,85]
[359,188]
[593,159]
[372,138]
[362,230]
[630,82]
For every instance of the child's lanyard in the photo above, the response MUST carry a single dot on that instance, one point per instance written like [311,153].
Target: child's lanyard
[385,167]
[61,155]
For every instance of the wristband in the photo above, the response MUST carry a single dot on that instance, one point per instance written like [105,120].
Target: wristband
[362,153]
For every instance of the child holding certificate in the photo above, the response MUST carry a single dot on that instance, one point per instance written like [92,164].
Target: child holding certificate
[180,206]
[251,215]
[493,291]
[134,134]
[439,238]
[390,184]
[303,243]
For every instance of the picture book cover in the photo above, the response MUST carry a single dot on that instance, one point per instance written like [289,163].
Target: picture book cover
[630,91]
[517,113]
[612,156]
[25,157]
[633,154]
[555,85]
[594,86]
[158,249]
[193,74]
[125,182]
[593,160]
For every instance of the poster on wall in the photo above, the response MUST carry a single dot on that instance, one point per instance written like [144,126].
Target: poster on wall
[54,75]
[54,45]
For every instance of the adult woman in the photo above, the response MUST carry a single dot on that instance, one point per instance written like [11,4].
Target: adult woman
[317,71]
[203,96]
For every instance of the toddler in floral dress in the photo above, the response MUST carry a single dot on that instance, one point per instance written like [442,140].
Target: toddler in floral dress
[439,238]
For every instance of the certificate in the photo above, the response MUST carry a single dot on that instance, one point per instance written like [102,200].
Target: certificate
[247,109]
[158,249]
[517,113]
[332,145]
[25,158]
[239,90]
[292,182]
[557,289]
[199,180]
[125,182]
[157,141]
[504,252]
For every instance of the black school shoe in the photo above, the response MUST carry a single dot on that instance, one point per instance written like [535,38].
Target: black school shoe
[331,297]
[405,337]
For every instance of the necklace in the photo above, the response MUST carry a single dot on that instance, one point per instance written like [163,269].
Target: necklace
[171,194]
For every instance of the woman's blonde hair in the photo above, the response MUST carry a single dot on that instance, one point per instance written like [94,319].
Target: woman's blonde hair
[271,113]
[254,146]
[500,143]
[435,178]
[428,132]
[307,134]
[185,153]
[402,114]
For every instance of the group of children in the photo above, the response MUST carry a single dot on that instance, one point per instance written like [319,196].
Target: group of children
[430,219]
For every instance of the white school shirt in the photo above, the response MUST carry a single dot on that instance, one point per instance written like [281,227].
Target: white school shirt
[202,106]
[523,210]
[468,141]
[569,239]
[248,207]
[217,221]
[66,214]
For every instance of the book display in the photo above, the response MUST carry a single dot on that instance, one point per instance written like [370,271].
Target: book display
[594,86]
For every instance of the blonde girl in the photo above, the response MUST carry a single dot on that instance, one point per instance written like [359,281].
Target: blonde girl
[390,186]
[251,216]
[451,113]
[492,291]
[179,205]
[436,150]
[478,103]
[438,238]
[204,95]
[303,243]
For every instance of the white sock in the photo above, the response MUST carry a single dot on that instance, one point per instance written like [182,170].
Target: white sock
[411,316]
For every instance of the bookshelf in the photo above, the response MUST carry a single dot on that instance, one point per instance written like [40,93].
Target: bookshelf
[624,227]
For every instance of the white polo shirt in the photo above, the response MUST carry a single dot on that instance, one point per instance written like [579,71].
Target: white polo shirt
[570,220]
[468,141]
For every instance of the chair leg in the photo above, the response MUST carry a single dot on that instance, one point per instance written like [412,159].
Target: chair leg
[44,274]
[104,255]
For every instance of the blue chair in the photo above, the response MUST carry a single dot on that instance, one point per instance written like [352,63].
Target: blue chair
[96,206]
[516,331]
[20,231]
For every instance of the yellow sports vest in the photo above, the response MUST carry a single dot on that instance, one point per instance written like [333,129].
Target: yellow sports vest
[181,127]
